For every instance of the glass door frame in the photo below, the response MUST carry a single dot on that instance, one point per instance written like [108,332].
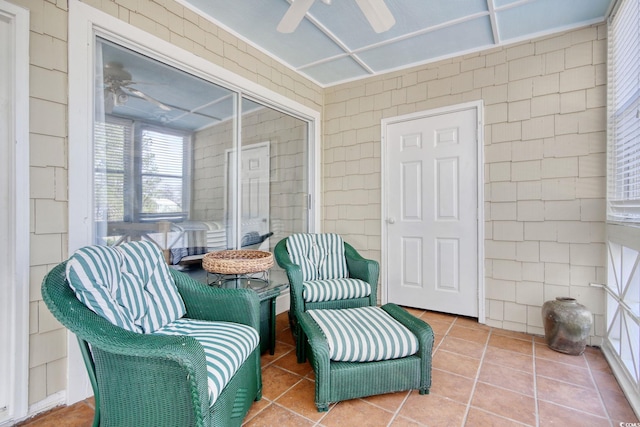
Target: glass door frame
[90,23]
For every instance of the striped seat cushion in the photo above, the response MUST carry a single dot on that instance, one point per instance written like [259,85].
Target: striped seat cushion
[129,285]
[320,256]
[334,289]
[226,346]
[364,334]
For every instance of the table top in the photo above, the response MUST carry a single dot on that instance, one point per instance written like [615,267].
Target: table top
[260,286]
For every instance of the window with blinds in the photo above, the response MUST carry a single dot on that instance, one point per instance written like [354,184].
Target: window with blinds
[139,176]
[623,152]
[113,143]
[162,174]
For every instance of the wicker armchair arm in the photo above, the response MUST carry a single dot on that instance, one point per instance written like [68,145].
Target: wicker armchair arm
[363,269]
[359,267]
[218,304]
[294,274]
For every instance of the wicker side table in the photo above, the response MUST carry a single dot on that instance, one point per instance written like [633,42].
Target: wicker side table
[248,269]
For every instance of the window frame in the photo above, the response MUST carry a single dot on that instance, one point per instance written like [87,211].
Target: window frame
[623,182]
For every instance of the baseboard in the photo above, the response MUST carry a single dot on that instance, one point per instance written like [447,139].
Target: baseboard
[628,386]
[283,302]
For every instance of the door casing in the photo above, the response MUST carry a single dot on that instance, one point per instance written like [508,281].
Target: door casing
[478,106]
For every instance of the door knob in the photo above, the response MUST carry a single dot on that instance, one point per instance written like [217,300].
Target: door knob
[391,220]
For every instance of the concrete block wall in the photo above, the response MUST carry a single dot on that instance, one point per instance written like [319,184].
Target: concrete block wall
[544,172]
[49,83]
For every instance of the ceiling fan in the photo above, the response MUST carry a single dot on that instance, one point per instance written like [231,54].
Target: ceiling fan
[376,12]
[117,88]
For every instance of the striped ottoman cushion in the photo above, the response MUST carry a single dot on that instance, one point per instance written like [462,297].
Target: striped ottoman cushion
[226,346]
[364,334]
[334,289]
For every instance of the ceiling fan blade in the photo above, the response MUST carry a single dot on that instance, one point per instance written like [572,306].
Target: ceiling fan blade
[378,14]
[294,15]
[148,98]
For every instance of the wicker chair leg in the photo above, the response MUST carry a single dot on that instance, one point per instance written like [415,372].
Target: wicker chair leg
[322,407]
[424,390]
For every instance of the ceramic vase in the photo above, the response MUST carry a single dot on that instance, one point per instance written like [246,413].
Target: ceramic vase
[566,325]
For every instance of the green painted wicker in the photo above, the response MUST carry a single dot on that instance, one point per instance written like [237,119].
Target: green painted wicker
[337,381]
[155,380]
[359,268]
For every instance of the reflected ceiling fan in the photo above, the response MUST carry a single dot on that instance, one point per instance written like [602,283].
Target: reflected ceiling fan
[118,88]
[376,12]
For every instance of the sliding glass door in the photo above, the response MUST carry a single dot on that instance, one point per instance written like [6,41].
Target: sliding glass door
[189,164]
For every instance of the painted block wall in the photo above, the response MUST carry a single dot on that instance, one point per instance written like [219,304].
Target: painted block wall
[544,171]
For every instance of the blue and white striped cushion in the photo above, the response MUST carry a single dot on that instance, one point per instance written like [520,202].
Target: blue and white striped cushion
[304,252]
[94,275]
[150,285]
[130,285]
[320,256]
[334,289]
[226,346]
[364,334]
[332,264]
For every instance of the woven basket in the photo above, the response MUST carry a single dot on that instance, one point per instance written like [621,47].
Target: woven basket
[237,261]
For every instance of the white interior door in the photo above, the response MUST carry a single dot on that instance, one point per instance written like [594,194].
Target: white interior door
[255,187]
[431,220]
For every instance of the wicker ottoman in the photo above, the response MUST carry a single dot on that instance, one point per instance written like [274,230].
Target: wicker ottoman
[341,380]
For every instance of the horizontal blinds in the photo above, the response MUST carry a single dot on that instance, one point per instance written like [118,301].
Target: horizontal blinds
[624,114]
[111,148]
[162,171]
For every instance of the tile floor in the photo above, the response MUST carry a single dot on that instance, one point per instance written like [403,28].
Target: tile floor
[481,377]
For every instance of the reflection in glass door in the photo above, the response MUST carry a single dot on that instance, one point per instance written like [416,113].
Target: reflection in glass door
[169,165]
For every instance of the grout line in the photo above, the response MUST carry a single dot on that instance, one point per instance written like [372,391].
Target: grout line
[535,384]
[598,391]
[476,379]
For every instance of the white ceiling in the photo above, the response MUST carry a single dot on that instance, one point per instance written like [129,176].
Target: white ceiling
[335,43]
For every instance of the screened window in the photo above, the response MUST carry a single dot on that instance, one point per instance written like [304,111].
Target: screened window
[624,114]
[139,176]
[162,174]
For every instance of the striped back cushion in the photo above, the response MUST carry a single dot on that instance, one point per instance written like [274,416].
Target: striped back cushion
[147,275]
[129,285]
[320,256]
[332,263]
[226,346]
[304,252]
[364,334]
[94,274]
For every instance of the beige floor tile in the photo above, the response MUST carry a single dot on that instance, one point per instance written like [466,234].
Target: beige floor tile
[505,377]
[433,410]
[452,386]
[357,412]
[572,396]
[505,403]
[481,377]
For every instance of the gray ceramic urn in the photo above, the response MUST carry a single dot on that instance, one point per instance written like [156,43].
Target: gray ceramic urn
[566,325]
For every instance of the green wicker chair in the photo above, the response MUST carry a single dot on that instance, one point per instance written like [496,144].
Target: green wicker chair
[337,381]
[303,276]
[142,379]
